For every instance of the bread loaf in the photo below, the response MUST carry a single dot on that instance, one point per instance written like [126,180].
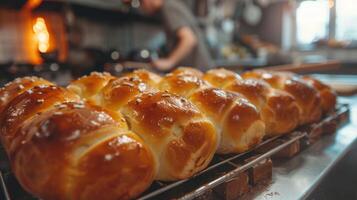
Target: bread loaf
[328,96]
[307,98]
[182,139]
[278,109]
[141,127]
[234,118]
[62,148]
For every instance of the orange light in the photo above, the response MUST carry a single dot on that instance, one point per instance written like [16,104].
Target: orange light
[32,4]
[42,35]
[331,3]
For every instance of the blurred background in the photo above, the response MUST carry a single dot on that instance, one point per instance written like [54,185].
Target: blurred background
[63,39]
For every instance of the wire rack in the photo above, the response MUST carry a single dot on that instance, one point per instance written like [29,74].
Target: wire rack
[222,168]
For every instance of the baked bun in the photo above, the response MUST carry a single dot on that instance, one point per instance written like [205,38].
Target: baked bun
[221,77]
[146,76]
[238,120]
[188,70]
[18,86]
[328,96]
[77,151]
[183,84]
[235,119]
[88,86]
[27,105]
[307,97]
[182,139]
[62,148]
[278,109]
[173,116]
[118,92]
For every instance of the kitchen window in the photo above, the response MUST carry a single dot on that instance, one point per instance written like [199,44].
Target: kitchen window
[312,20]
[346,19]
[326,20]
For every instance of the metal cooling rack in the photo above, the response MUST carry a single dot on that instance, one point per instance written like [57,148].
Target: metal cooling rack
[223,168]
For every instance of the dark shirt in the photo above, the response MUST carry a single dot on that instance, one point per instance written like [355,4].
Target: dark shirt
[176,15]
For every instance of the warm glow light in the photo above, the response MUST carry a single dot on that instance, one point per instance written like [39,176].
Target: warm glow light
[42,35]
[32,4]
[331,3]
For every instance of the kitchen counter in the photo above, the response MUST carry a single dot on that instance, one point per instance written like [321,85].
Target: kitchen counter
[298,177]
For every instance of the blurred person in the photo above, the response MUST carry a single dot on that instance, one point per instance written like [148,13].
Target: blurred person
[185,41]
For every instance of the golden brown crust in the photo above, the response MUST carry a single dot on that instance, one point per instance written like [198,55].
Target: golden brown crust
[122,163]
[145,76]
[118,92]
[307,98]
[221,77]
[184,84]
[173,128]
[77,151]
[274,79]
[216,104]
[157,112]
[233,115]
[193,151]
[88,86]
[328,96]
[159,118]
[18,86]
[278,109]
[188,70]
[281,113]
[244,124]
[254,90]
[30,104]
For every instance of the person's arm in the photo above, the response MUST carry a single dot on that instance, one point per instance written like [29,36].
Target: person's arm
[187,40]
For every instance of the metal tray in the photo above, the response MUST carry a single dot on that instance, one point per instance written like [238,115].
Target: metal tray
[223,168]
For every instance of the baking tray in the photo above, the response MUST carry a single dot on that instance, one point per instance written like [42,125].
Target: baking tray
[222,169]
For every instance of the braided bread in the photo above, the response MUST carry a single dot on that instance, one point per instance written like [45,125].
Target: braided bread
[307,98]
[235,119]
[278,109]
[62,148]
[328,96]
[182,139]
[142,127]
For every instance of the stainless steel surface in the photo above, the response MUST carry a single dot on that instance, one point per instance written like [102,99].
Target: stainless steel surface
[4,192]
[200,184]
[296,178]
[237,163]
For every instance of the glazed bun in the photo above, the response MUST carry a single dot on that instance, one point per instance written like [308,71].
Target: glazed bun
[307,98]
[27,105]
[235,118]
[60,159]
[118,92]
[328,96]
[18,86]
[238,120]
[183,84]
[182,139]
[221,77]
[278,109]
[146,76]
[88,86]
[62,148]
[188,70]
[108,138]
[168,124]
